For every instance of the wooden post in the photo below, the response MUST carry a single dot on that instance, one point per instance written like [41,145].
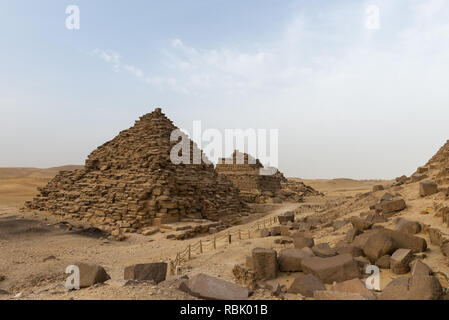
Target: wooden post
[201,246]
[215,242]
[189,253]
[240,235]
[172,267]
[229,238]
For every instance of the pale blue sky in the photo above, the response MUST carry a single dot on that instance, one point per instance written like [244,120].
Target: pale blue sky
[348,101]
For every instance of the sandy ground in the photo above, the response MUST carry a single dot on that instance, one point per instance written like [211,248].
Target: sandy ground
[36,249]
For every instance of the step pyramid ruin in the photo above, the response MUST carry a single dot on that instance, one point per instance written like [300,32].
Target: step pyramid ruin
[130,183]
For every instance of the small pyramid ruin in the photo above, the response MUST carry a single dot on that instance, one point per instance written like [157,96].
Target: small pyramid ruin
[246,173]
[258,184]
[130,183]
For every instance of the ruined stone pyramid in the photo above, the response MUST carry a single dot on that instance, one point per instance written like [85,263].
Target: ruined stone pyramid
[245,173]
[130,183]
[440,164]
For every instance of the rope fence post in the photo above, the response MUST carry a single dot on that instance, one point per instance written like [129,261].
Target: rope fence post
[229,238]
[201,246]
[215,242]
[240,234]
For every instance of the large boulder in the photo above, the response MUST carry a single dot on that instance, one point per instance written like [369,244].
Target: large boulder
[91,274]
[211,288]
[419,268]
[425,288]
[420,287]
[264,263]
[302,240]
[427,188]
[407,226]
[407,241]
[389,207]
[354,286]
[156,272]
[385,241]
[275,231]
[290,259]
[397,289]
[378,245]
[339,268]
[306,284]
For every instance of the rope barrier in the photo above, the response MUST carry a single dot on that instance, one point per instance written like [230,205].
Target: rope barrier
[186,254]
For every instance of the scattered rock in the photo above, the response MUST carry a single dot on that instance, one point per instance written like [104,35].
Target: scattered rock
[339,268]
[156,272]
[400,261]
[275,231]
[427,188]
[419,268]
[414,288]
[348,248]
[384,262]
[378,245]
[4,292]
[352,234]
[306,284]
[378,187]
[407,226]
[360,224]
[397,289]
[150,231]
[91,274]
[290,259]
[283,240]
[49,258]
[425,288]
[211,288]
[323,250]
[265,263]
[302,240]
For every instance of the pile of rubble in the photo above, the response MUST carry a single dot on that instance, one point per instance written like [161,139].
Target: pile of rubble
[336,273]
[130,184]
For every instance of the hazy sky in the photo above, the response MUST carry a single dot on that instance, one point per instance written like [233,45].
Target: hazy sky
[348,101]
